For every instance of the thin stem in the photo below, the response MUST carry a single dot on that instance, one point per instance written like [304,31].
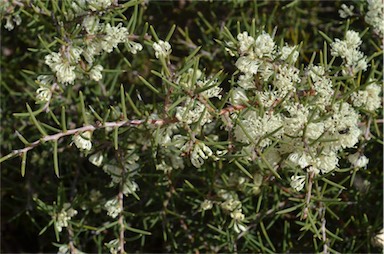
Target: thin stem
[309,194]
[121,221]
[323,229]
[59,135]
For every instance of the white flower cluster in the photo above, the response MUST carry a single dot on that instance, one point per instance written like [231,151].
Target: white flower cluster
[233,206]
[114,246]
[321,84]
[45,91]
[194,110]
[44,94]
[113,208]
[257,57]
[63,64]
[252,128]
[83,140]
[378,239]
[97,159]
[297,182]
[369,98]
[95,73]
[199,153]
[206,205]
[375,15]
[162,49]
[348,50]
[100,37]
[64,216]
[11,20]
[290,118]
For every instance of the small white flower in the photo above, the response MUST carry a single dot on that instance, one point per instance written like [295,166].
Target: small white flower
[297,182]
[287,79]
[64,249]
[378,239]
[43,94]
[113,208]
[264,46]
[238,227]
[114,246]
[193,112]
[249,66]
[237,215]
[374,16]
[91,24]
[302,159]
[326,162]
[11,21]
[247,81]
[130,187]
[95,73]
[314,130]
[162,49]
[83,140]
[238,96]
[64,71]
[245,42]
[134,47]
[96,159]
[288,51]
[114,36]
[346,11]
[231,204]
[369,98]
[64,216]
[95,5]
[200,153]
[313,169]
[358,160]
[206,205]
[348,50]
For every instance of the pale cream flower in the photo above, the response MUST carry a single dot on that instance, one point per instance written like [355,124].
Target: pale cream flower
[113,207]
[297,182]
[162,49]
[206,205]
[358,160]
[96,159]
[64,216]
[43,94]
[83,140]
[95,73]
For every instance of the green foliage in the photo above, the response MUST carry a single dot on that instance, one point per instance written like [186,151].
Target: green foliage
[132,126]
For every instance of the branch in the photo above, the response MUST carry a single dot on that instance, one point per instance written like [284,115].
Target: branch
[309,194]
[59,135]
